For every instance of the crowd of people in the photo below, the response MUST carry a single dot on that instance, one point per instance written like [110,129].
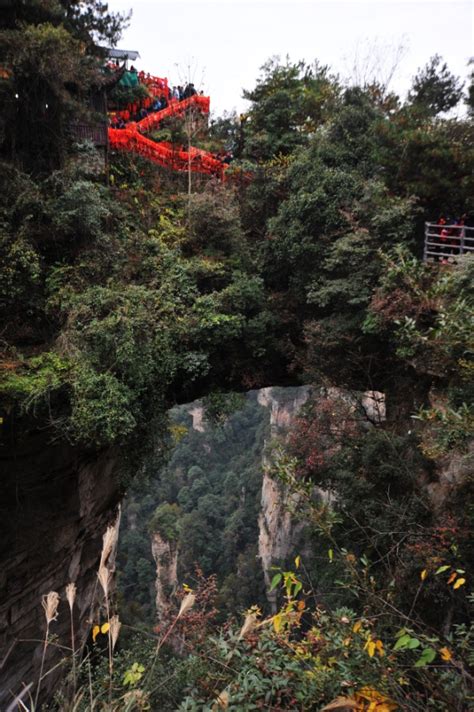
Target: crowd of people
[161,96]
[176,92]
[449,236]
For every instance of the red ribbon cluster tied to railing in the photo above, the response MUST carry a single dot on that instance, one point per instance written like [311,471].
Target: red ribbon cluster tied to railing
[130,137]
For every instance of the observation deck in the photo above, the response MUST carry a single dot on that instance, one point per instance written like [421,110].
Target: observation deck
[443,243]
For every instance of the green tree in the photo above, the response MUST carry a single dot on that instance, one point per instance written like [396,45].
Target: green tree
[48,51]
[290,101]
[434,88]
[470,90]
[166,521]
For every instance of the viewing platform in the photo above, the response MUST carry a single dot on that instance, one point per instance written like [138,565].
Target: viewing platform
[443,242]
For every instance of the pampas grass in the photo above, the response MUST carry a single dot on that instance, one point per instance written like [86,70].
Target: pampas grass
[74,698]
[250,623]
[104,579]
[71,597]
[186,604]
[109,541]
[114,630]
[50,604]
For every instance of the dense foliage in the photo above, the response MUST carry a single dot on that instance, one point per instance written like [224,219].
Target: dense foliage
[337,209]
[121,297]
[123,314]
[209,495]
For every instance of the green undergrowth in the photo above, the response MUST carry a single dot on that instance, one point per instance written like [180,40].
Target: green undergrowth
[131,311]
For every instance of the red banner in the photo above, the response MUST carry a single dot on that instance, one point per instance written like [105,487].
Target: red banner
[130,138]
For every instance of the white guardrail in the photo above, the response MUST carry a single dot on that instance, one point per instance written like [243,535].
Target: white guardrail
[442,242]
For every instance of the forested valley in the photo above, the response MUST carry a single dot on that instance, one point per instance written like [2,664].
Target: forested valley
[236,381]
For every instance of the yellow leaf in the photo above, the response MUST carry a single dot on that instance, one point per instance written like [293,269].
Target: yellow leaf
[446,654]
[452,577]
[277,623]
[368,694]
[370,647]
[460,582]
[330,554]
[298,562]
[378,702]
[341,704]
[357,626]
[423,574]
[379,647]
[95,632]
[346,641]
[105,628]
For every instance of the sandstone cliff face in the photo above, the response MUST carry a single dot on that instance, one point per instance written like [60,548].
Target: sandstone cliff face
[196,411]
[454,469]
[165,554]
[277,530]
[56,504]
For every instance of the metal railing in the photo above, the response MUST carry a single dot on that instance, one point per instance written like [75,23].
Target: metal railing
[97,133]
[444,242]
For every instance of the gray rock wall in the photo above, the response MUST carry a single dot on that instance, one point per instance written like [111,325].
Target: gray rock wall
[56,503]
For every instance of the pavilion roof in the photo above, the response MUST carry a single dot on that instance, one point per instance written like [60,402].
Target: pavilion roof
[121,53]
